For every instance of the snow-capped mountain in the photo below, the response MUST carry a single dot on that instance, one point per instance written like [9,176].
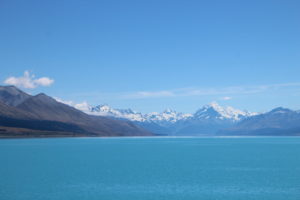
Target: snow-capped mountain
[105,110]
[208,119]
[167,116]
[214,111]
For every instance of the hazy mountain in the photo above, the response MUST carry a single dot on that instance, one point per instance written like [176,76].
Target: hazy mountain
[44,113]
[279,121]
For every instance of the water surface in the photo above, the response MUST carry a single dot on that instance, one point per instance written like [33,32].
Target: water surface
[150,168]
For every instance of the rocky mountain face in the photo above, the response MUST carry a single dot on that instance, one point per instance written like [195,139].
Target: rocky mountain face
[40,115]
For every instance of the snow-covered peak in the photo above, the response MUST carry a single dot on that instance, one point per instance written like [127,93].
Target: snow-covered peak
[105,110]
[280,110]
[212,111]
[166,116]
[214,105]
[215,111]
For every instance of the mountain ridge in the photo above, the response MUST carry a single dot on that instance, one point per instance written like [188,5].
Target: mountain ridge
[44,113]
[171,122]
[210,119]
[169,115]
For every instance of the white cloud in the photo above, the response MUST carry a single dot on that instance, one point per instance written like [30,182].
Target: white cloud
[28,81]
[69,103]
[44,81]
[84,106]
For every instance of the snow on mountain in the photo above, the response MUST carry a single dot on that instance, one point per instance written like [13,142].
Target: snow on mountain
[105,110]
[212,111]
[215,111]
[167,116]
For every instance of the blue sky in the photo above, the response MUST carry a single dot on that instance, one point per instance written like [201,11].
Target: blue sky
[150,55]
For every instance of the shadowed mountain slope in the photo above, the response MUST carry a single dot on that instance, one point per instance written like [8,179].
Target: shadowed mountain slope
[44,113]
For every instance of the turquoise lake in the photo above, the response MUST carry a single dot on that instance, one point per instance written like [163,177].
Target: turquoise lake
[266,168]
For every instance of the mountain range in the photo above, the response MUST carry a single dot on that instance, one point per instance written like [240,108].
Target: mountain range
[24,115]
[210,120]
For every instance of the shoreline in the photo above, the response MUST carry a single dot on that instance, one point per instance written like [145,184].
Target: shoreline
[148,137]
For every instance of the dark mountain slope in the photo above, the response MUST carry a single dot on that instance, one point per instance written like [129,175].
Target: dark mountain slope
[43,115]
[12,112]
[46,108]
[12,118]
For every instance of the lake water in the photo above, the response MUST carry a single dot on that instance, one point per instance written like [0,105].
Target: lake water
[150,169]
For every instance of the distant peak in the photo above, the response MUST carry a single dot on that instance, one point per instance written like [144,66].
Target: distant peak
[44,97]
[213,105]
[12,96]
[214,110]
[103,106]
[280,110]
[11,88]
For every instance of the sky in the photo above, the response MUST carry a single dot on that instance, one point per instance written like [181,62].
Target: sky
[150,55]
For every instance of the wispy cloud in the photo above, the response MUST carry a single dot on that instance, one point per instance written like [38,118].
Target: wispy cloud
[224,91]
[149,94]
[28,81]
[226,98]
